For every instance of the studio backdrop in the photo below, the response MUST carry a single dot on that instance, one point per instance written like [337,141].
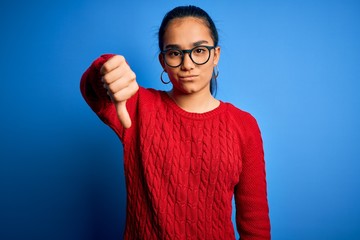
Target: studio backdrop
[294,65]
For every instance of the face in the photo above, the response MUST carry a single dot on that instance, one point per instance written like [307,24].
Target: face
[184,34]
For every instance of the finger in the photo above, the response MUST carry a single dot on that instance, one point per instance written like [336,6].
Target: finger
[116,74]
[125,93]
[111,64]
[123,114]
[122,83]
[116,86]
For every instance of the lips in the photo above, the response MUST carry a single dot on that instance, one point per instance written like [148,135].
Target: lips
[188,77]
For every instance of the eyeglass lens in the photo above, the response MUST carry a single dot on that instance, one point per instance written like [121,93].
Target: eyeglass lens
[199,55]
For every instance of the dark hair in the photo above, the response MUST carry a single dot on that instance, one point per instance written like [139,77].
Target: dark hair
[196,12]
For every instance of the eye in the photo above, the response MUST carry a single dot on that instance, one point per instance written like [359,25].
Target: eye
[173,53]
[200,50]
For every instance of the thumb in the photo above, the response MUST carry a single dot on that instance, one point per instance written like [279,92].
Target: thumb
[123,114]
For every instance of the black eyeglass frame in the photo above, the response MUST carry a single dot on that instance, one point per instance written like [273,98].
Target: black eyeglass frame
[189,51]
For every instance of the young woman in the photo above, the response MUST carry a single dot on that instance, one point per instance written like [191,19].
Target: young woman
[186,154]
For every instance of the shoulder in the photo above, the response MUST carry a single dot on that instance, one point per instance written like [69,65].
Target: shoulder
[244,122]
[240,116]
[246,126]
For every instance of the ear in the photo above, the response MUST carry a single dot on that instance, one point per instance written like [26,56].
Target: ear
[161,60]
[217,51]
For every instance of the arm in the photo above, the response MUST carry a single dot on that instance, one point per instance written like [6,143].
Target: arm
[252,211]
[92,88]
[106,86]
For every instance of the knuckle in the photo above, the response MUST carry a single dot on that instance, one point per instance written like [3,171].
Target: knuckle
[135,87]
[133,75]
[120,58]
[118,97]
[130,76]
[111,88]
[106,67]
[106,78]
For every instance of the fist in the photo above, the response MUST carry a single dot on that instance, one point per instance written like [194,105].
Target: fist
[120,82]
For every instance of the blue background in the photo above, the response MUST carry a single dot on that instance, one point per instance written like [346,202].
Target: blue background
[293,64]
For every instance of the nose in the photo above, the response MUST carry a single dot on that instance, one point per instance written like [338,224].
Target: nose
[187,62]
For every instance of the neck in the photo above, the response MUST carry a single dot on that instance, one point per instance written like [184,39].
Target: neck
[196,103]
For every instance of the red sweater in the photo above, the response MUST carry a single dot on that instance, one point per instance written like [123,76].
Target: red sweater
[182,169]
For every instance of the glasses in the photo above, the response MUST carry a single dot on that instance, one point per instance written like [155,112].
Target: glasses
[199,55]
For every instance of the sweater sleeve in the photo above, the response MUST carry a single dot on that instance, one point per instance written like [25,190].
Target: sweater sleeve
[96,97]
[252,211]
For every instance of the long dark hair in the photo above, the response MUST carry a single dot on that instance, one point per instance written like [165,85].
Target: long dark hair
[190,11]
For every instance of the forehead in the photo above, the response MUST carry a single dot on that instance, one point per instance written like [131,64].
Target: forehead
[185,31]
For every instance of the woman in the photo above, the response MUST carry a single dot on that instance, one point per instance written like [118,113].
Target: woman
[186,154]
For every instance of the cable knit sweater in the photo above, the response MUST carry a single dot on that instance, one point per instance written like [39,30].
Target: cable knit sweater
[183,169]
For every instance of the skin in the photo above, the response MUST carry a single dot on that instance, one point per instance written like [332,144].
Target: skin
[191,82]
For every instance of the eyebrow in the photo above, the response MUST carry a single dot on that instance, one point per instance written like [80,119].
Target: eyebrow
[195,44]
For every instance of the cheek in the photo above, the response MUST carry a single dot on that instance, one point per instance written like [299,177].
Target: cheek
[171,72]
[207,72]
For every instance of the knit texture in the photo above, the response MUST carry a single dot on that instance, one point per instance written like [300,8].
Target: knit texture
[182,169]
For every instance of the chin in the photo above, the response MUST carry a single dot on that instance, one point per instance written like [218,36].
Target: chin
[191,88]
[186,91]
[192,91]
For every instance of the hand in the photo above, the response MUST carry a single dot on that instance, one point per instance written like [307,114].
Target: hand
[120,82]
